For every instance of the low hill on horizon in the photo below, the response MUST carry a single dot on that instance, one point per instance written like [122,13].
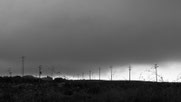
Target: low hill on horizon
[60,90]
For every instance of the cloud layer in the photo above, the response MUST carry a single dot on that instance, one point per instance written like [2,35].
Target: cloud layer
[80,33]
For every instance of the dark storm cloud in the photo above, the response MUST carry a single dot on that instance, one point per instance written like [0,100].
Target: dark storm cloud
[78,33]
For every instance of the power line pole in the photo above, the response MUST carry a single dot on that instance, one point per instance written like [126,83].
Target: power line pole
[10,72]
[111,72]
[52,71]
[59,74]
[82,76]
[156,66]
[23,59]
[129,72]
[40,71]
[99,73]
[90,74]
[77,76]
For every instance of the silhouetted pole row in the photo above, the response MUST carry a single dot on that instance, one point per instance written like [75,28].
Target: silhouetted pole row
[156,66]
[90,73]
[129,72]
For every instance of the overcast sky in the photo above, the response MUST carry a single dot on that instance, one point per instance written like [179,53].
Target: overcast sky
[75,35]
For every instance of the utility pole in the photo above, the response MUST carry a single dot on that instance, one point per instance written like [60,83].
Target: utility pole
[111,72]
[99,73]
[82,76]
[77,76]
[90,74]
[129,72]
[22,59]
[58,74]
[10,72]
[52,71]
[156,66]
[40,71]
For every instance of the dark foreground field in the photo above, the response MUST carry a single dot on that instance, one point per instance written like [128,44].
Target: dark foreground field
[16,90]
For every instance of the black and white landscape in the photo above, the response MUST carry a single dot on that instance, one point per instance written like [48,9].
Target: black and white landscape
[90,50]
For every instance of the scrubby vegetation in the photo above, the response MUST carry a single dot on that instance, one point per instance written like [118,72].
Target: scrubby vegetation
[17,89]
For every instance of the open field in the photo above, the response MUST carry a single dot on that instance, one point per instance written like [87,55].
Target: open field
[59,90]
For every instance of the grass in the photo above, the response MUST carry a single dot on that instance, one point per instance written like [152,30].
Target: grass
[88,91]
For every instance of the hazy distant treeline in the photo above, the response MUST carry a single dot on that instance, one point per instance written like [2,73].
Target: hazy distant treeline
[29,79]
